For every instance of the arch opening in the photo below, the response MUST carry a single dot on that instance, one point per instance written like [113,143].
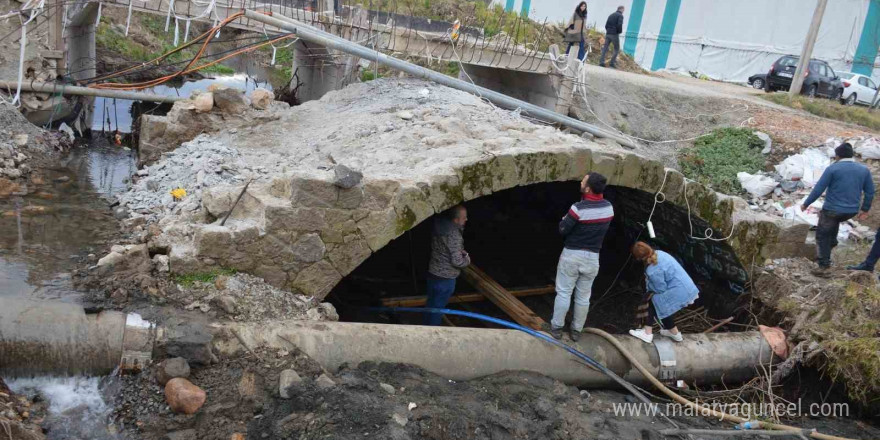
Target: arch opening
[513,236]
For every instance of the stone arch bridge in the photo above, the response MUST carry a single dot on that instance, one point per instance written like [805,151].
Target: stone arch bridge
[306,233]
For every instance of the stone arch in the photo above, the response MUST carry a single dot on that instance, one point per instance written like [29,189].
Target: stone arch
[306,233]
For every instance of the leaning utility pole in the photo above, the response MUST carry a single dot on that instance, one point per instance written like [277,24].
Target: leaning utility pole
[807,52]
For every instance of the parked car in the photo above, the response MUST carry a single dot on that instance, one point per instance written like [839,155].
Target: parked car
[857,88]
[819,79]
[758,80]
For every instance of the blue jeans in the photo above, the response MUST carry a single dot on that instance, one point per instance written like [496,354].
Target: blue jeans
[581,50]
[575,274]
[439,291]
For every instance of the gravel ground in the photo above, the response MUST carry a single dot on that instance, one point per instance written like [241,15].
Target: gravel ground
[243,297]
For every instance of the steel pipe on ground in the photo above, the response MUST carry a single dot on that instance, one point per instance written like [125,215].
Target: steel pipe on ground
[466,353]
[331,41]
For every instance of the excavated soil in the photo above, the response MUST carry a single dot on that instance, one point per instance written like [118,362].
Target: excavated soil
[391,401]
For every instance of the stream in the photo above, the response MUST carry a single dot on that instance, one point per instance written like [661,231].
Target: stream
[60,225]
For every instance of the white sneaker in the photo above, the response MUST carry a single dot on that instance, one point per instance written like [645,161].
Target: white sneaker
[640,333]
[675,337]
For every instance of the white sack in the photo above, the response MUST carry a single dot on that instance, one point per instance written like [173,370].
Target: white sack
[807,166]
[869,149]
[756,185]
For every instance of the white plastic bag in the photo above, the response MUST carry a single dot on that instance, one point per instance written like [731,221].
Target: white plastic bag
[869,148]
[807,166]
[756,185]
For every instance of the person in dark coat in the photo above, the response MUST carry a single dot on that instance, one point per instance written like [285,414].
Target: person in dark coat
[613,29]
[576,32]
[448,258]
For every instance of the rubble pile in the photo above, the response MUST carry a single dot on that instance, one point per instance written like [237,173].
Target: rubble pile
[782,192]
[243,297]
[196,165]
[23,148]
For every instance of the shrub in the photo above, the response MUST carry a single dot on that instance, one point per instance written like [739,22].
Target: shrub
[716,158]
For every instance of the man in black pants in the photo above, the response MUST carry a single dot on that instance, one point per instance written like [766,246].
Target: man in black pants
[613,29]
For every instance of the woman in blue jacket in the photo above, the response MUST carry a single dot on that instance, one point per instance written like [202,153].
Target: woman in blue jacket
[670,289]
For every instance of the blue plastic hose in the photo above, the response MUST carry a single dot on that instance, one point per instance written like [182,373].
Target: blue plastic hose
[580,355]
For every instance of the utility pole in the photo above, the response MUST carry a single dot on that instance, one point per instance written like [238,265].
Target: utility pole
[807,52]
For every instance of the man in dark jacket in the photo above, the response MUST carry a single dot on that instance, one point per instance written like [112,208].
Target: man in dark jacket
[845,182]
[613,29]
[583,229]
[448,257]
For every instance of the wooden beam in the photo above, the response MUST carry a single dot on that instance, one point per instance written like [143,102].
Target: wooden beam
[502,298]
[419,301]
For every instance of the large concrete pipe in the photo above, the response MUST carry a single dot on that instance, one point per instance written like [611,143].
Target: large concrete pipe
[466,353]
[43,337]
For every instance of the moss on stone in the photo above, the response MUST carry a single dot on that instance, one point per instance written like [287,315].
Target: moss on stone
[477,178]
[453,194]
[406,219]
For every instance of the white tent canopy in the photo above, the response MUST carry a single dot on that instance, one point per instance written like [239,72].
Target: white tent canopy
[731,40]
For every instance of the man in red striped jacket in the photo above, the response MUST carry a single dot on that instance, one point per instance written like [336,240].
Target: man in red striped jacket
[583,229]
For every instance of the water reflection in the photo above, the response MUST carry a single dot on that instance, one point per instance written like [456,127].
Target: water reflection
[60,219]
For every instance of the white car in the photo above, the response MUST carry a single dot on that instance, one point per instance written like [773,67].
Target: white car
[857,88]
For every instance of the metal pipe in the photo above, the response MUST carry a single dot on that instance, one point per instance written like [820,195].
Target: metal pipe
[462,353]
[64,89]
[44,337]
[328,40]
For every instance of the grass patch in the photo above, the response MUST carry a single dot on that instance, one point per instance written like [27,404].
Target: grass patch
[715,159]
[830,109]
[369,75]
[190,279]
[218,69]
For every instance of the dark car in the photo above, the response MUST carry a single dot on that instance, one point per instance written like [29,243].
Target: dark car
[819,79]
[758,80]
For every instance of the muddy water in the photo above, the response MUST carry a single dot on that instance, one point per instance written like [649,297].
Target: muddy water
[45,233]
[63,218]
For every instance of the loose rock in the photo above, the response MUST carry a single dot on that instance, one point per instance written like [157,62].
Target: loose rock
[183,396]
[225,303]
[324,382]
[230,101]
[388,388]
[203,102]
[172,368]
[347,177]
[287,379]
[261,98]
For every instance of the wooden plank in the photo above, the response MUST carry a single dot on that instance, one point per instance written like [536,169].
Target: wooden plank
[521,314]
[419,301]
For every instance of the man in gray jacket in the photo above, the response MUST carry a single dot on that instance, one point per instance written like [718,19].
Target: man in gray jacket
[448,257]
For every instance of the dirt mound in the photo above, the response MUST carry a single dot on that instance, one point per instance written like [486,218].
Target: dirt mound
[373,401]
